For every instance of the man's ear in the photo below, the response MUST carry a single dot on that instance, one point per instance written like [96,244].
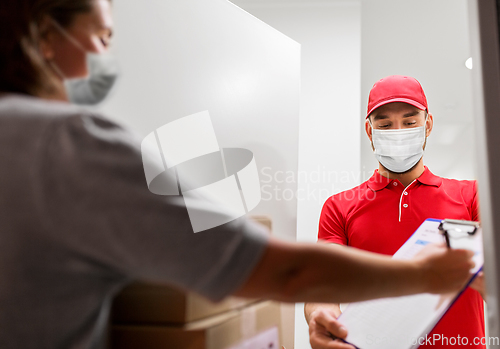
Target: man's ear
[368,130]
[429,124]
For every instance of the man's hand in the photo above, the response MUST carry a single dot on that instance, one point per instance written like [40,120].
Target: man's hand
[325,331]
[443,269]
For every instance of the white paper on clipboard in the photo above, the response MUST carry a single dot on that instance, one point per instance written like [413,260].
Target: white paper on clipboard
[400,322]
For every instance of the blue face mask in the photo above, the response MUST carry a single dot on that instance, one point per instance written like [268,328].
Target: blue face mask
[103,73]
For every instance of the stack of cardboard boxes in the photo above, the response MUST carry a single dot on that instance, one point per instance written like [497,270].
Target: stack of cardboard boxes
[148,316]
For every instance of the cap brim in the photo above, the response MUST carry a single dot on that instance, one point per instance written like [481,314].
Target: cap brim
[392,100]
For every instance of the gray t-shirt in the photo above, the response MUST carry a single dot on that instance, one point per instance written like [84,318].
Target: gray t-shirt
[77,223]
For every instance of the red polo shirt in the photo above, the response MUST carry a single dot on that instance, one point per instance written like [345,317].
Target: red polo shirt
[381,214]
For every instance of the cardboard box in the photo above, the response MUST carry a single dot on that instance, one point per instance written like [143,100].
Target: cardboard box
[231,330]
[264,220]
[142,303]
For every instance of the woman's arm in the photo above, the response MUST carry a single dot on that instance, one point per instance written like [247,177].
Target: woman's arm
[297,272]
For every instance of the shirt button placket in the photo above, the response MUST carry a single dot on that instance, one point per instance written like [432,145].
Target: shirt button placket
[403,200]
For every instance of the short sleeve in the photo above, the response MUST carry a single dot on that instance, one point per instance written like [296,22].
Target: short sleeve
[332,223]
[97,207]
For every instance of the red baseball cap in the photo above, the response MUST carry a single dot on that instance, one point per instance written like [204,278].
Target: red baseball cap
[396,88]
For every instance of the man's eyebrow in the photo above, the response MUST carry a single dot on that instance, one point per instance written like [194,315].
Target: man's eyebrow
[380,117]
[412,113]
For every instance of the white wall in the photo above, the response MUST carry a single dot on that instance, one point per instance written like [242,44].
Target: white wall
[428,40]
[182,57]
[329,32]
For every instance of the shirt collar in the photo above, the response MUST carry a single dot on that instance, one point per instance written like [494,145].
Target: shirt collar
[378,182]
[428,178]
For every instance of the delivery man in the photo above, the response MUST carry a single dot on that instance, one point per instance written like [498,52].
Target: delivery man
[382,213]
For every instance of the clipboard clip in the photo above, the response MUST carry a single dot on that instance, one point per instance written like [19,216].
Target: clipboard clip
[457,228]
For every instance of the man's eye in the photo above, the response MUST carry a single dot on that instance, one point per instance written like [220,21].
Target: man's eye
[411,123]
[383,126]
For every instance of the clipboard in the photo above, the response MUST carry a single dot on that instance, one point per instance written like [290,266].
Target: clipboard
[404,322]
[458,233]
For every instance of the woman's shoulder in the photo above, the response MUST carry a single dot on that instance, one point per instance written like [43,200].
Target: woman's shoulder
[28,119]
[32,112]
[20,106]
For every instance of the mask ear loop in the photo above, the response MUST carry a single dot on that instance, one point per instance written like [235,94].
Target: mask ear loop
[70,39]
[425,122]
[425,129]
[57,70]
[68,36]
